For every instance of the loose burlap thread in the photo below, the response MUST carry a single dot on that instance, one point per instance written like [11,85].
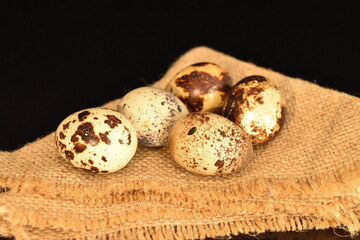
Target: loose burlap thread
[305,178]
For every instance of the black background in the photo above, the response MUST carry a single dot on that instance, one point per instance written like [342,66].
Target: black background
[58,58]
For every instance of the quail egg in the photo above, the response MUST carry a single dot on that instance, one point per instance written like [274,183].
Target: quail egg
[201,86]
[152,111]
[97,139]
[209,144]
[257,106]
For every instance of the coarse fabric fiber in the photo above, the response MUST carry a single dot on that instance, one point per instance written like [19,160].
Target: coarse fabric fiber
[306,178]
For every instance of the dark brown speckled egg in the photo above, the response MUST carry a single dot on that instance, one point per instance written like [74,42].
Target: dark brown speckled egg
[209,144]
[257,106]
[201,86]
[97,139]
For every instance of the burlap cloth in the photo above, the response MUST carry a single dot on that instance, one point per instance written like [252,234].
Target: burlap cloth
[306,178]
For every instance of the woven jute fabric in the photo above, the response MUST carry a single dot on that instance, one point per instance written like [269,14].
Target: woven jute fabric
[305,178]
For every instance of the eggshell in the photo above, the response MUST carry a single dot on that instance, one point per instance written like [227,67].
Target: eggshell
[97,139]
[257,106]
[152,111]
[201,86]
[209,144]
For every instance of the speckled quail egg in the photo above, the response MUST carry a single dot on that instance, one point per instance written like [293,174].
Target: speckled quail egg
[97,139]
[209,144]
[201,86]
[257,106]
[152,111]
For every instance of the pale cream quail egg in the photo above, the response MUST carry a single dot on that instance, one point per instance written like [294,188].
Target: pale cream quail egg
[97,139]
[152,111]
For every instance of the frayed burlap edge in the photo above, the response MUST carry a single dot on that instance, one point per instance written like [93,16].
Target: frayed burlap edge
[213,229]
[344,212]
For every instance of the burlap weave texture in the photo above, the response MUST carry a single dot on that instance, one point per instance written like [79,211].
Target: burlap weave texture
[306,178]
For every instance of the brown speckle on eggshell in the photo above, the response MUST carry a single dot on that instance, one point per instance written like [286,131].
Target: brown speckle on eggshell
[96,143]
[209,144]
[257,106]
[201,86]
